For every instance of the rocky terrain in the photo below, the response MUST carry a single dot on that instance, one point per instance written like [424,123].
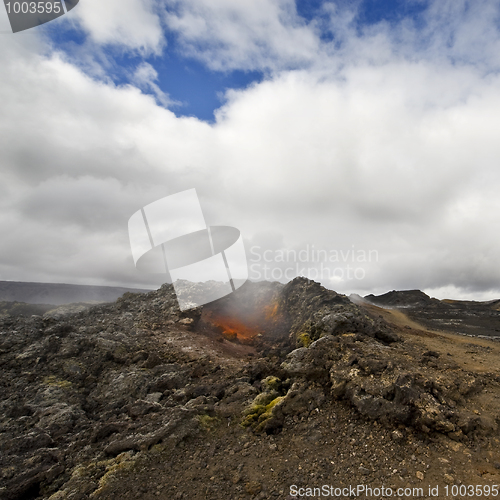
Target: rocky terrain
[465,317]
[272,386]
[8,308]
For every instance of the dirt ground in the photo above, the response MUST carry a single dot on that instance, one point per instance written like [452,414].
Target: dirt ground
[329,448]
[136,400]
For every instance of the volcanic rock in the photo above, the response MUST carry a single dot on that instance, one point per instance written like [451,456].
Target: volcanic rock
[92,398]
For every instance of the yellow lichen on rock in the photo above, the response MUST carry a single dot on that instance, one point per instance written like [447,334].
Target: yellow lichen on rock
[261,409]
[207,422]
[122,462]
[304,339]
[53,381]
[271,383]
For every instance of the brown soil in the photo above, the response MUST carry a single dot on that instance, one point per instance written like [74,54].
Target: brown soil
[165,403]
[332,445]
[471,353]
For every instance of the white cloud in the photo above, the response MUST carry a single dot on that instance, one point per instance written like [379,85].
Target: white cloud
[465,31]
[131,24]
[145,77]
[370,148]
[270,35]
[256,34]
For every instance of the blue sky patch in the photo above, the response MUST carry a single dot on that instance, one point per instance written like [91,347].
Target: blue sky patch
[197,90]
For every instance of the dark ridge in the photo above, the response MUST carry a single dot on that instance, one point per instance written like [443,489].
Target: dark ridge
[60,293]
[404,298]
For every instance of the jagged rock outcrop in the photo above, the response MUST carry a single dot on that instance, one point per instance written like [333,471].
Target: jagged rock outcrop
[89,380]
[313,311]
[346,354]
[85,394]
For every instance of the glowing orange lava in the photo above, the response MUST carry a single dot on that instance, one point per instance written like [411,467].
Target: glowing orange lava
[232,328]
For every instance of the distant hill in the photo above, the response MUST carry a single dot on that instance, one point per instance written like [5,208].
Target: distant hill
[60,293]
[467,317]
[404,298]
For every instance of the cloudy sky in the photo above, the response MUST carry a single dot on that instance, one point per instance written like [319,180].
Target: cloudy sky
[367,131]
